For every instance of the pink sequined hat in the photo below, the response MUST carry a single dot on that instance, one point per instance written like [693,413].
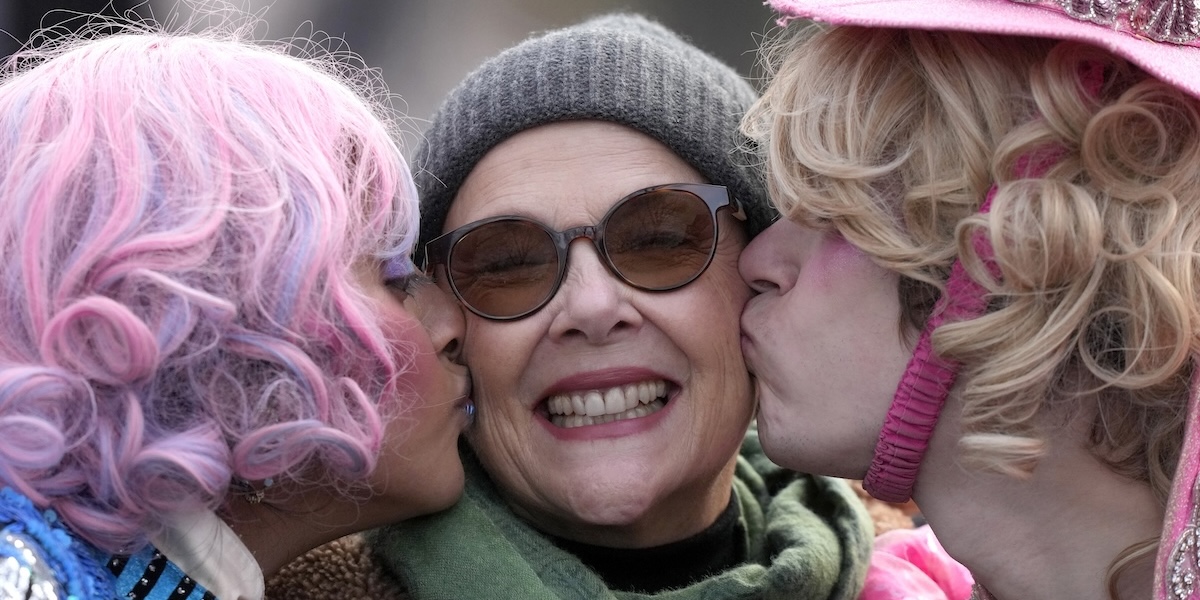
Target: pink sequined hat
[1134,29]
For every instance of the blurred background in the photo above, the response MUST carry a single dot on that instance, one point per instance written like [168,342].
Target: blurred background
[424,47]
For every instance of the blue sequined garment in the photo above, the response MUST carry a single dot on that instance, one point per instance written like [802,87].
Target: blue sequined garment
[148,575]
[40,559]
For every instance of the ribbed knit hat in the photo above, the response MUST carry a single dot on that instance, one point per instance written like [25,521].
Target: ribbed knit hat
[619,68]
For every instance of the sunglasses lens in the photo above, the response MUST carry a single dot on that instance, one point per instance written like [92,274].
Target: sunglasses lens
[504,268]
[657,240]
[661,239]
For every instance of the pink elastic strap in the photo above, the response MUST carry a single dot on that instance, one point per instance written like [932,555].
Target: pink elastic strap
[928,378]
[926,384]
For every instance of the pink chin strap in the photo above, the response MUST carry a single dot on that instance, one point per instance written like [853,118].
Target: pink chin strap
[926,384]
[928,378]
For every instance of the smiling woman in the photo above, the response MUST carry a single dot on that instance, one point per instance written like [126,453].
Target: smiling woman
[591,478]
[585,196]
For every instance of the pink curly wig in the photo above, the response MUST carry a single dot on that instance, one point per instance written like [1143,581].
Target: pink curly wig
[182,219]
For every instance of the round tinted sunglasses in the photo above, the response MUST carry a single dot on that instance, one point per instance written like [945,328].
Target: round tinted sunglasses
[657,239]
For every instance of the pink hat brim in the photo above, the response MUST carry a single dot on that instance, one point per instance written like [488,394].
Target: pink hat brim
[1175,64]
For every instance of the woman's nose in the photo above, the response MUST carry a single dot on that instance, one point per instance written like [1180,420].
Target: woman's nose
[444,320]
[592,301]
[761,264]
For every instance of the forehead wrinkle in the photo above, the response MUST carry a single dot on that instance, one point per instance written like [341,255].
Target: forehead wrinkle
[543,173]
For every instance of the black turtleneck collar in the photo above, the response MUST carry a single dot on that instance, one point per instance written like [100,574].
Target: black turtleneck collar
[650,570]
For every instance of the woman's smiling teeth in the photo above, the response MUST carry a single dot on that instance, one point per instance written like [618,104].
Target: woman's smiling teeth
[593,407]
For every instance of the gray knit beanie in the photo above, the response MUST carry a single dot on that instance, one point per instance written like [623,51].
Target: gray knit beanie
[619,68]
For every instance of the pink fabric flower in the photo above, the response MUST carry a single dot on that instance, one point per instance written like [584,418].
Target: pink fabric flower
[910,564]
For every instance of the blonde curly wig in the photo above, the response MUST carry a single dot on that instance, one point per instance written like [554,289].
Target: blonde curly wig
[894,138]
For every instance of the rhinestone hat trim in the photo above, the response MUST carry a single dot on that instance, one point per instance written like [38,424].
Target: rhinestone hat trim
[1177,575]
[1184,565]
[1172,21]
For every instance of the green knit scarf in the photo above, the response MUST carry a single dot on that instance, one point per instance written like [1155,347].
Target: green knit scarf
[809,538]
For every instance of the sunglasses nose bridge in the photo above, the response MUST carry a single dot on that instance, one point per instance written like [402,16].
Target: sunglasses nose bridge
[568,237]
[574,233]
[594,233]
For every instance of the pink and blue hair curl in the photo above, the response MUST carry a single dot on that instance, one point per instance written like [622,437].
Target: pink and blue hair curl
[184,219]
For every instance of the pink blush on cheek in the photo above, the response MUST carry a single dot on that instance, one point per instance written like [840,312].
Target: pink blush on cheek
[834,259]
[418,361]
